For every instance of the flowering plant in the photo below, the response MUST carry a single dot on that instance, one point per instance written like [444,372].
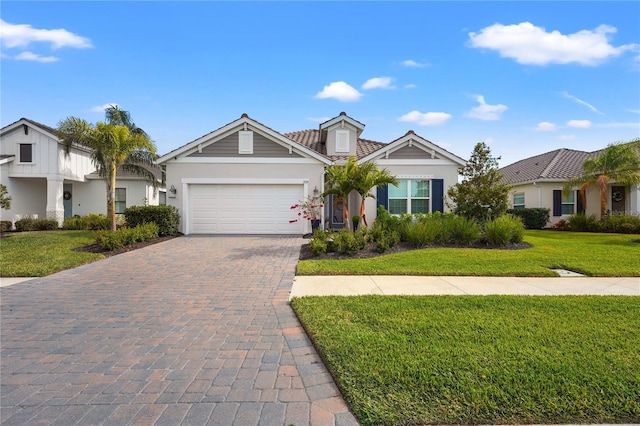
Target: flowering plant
[309,210]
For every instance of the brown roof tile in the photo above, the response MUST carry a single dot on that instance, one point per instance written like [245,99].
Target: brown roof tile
[557,165]
[311,139]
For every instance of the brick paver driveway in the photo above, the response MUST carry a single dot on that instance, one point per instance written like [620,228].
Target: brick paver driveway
[195,330]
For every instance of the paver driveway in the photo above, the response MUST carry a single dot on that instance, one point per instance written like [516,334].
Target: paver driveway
[195,330]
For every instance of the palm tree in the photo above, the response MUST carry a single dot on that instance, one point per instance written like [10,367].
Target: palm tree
[619,163]
[112,146]
[368,176]
[339,180]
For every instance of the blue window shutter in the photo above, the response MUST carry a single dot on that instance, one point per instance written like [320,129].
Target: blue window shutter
[580,207]
[557,202]
[382,196]
[437,192]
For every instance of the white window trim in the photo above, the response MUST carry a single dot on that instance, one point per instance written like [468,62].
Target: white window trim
[115,201]
[572,203]
[408,195]
[345,147]
[245,142]
[519,205]
[33,154]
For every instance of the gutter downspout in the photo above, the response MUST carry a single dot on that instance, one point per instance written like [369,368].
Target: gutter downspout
[539,194]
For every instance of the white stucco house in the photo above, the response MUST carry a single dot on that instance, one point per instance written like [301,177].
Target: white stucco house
[43,182]
[243,177]
[537,182]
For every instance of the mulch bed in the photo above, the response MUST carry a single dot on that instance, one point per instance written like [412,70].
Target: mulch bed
[367,252]
[95,248]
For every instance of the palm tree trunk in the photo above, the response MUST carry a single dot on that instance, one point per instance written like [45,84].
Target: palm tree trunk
[111,196]
[346,214]
[603,203]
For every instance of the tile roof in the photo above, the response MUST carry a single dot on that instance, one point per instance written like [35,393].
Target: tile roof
[557,165]
[311,139]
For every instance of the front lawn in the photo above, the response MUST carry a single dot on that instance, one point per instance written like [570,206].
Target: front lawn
[40,253]
[593,254]
[481,359]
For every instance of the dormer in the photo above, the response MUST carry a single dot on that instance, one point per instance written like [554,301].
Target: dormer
[340,135]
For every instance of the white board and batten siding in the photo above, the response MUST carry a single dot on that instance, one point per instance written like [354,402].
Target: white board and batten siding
[243,208]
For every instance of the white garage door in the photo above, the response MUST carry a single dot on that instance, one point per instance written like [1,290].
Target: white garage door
[243,209]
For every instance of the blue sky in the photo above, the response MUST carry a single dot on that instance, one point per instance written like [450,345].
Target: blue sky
[525,77]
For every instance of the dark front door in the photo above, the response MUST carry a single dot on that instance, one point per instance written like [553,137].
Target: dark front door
[67,200]
[618,199]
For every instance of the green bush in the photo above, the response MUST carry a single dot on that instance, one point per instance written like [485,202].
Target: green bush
[622,224]
[90,222]
[503,230]
[29,224]
[424,231]
[5,225]
[385,220]
[385,241]
[112,240]
[318,246]
[462,231]
[532,218]
[166,217]
[349,242]
[583,223]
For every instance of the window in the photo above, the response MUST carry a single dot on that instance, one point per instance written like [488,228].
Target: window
[26,153]
[568,200]
[245,142]
[342,141]
[121,200]
[518,200]
[410,196]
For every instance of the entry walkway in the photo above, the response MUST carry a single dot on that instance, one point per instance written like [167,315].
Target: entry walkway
[346,285]
[191,331]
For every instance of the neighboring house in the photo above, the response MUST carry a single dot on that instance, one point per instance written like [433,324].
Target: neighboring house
[243,177]
[537,182]
[44,182]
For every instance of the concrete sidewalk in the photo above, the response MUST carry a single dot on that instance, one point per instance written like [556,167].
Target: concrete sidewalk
[351,285]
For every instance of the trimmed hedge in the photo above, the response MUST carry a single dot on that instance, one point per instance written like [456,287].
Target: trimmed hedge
[5,225]
[28,224]
[90,222]
[166,217]
[112,240]
[532,218]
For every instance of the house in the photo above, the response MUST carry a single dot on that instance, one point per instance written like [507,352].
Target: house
[44,182]
[538,181]
[243,177]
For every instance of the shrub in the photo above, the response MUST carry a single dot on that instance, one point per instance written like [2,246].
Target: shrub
[318,246]
[462,231]
[385,220]
[112,240]
[583,223]
[561,225]
[166,217]
[503,230]
[622,224]
[532,218]
[349,242]
[5,225]
[386,240]
[28,224]
[424,231]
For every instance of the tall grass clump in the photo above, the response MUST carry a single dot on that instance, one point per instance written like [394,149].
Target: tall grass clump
[583,223]
[622,224]
[462,231]
[504,230]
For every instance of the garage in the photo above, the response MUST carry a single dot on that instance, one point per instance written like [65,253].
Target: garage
[243,208]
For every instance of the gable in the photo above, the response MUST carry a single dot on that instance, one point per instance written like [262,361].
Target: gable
[229,146]
[411,152]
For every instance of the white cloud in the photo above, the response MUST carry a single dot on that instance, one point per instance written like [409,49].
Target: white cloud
[426,119]
[619,125]
[30,56]
[579,124]
[545,126]
[581,102]
[101,108]
[410,63]
[378,83]
[340,91]
[410,86]
[22,35]
[567,137]
[532,45]
[485,111]
[635,111]
[318,119]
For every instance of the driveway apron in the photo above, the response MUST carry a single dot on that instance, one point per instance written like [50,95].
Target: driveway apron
[195,330]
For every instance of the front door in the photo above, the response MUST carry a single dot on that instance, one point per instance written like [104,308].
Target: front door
[67,189]
[618,199]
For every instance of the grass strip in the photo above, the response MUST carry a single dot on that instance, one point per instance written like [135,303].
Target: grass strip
[593,254]
[481,359]
[41,253]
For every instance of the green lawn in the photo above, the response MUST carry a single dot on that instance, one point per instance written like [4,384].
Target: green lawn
[592,254]
[37,254]
[481,359]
